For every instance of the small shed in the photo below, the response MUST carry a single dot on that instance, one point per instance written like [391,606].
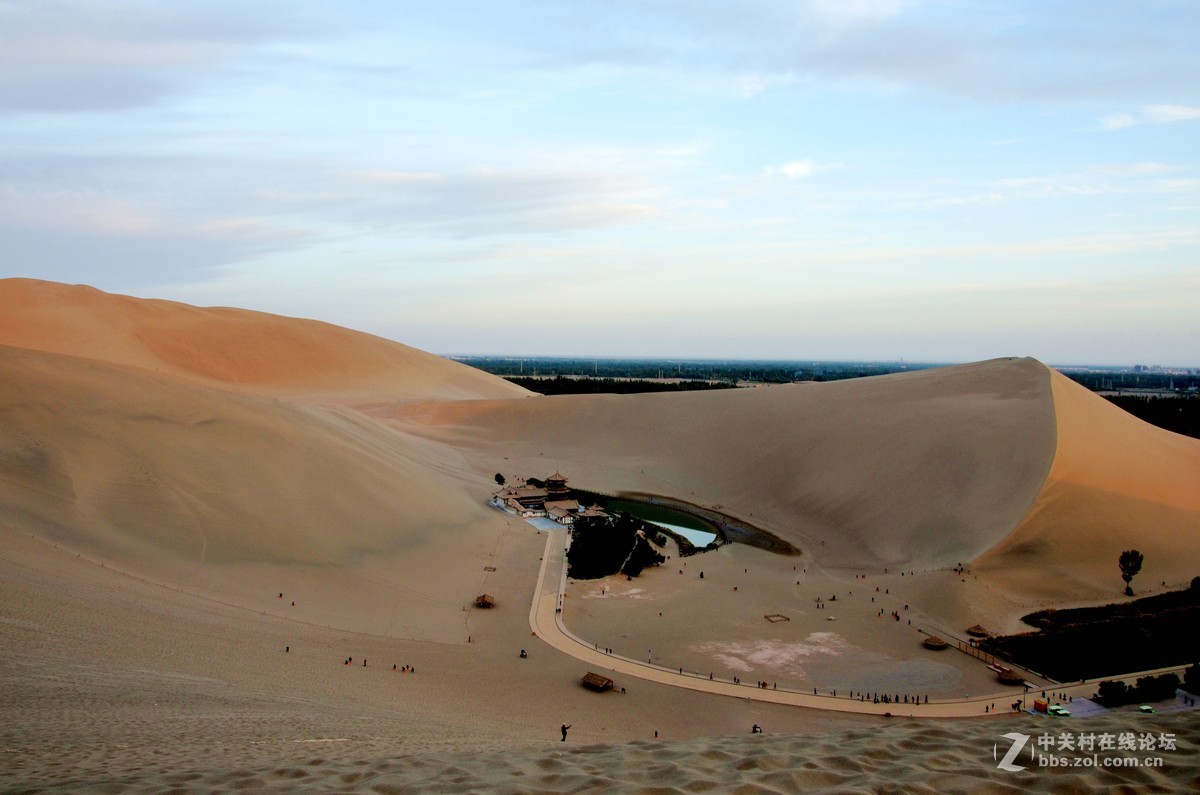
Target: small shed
[1008,676]
[483,600]
[593,681]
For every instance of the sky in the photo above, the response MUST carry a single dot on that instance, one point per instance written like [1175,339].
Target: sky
[936,180]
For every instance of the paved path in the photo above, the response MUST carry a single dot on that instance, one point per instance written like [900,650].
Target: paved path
[546,620]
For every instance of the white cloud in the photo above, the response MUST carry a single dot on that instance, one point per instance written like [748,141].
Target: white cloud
[1161,114]
[844,12]
[1133,169]
[975,199]
[81,210]
[799,169]
[751,85]
[86,55]
[400,177]
[1109,178]
[485,200]
[1151,114]
[1118,121]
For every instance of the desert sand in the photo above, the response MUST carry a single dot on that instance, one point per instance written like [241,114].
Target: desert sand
[204,513]
[1115,484]
[233,348]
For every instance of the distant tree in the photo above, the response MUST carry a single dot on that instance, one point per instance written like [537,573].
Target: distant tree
[604,545]
[499,479]
[1196,583]
[1130,563]
[641,556]
[1148,688]
[1156,688]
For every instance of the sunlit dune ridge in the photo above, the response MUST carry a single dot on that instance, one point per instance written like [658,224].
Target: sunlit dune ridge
[229,347]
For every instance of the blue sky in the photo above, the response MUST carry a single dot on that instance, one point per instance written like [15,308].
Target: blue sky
[826,179]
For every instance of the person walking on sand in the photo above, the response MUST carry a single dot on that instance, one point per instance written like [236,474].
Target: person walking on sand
[564,732]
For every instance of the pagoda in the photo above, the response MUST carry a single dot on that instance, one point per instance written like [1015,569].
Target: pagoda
[556,488]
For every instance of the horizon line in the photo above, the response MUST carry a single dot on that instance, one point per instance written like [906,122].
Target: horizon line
[735,359]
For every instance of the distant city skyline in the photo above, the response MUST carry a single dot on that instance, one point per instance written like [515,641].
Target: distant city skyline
[857,180]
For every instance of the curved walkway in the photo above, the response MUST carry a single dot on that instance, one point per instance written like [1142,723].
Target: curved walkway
[547,623]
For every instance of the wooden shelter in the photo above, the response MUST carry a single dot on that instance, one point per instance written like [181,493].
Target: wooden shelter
[935,643]
[483,600]
[977,632]
[597,682]
[1008,676]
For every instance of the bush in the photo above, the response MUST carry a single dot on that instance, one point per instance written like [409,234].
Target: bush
[1148,688]
[1157,688]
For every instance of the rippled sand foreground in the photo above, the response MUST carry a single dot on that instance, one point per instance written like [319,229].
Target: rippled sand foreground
[905,756]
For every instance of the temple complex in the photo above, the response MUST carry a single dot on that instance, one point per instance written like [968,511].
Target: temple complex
[553,501]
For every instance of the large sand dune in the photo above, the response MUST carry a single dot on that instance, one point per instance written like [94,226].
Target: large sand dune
[241,495]
[166,472]
[1116,483]
[231,347]
[116,458]
[913,470]
[916,470]
[1005,462]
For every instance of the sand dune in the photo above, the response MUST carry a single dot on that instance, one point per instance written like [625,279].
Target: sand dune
[1004,462]
[1116,483]
[913,470]
[231,347]
[102,455]
[241,495]
[167,472]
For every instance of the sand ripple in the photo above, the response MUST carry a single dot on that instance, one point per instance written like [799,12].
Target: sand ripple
[905,756]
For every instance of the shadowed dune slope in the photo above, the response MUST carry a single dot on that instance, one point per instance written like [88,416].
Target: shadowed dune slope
[164,475]
[231,347]
[1116,483]
[917,469]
